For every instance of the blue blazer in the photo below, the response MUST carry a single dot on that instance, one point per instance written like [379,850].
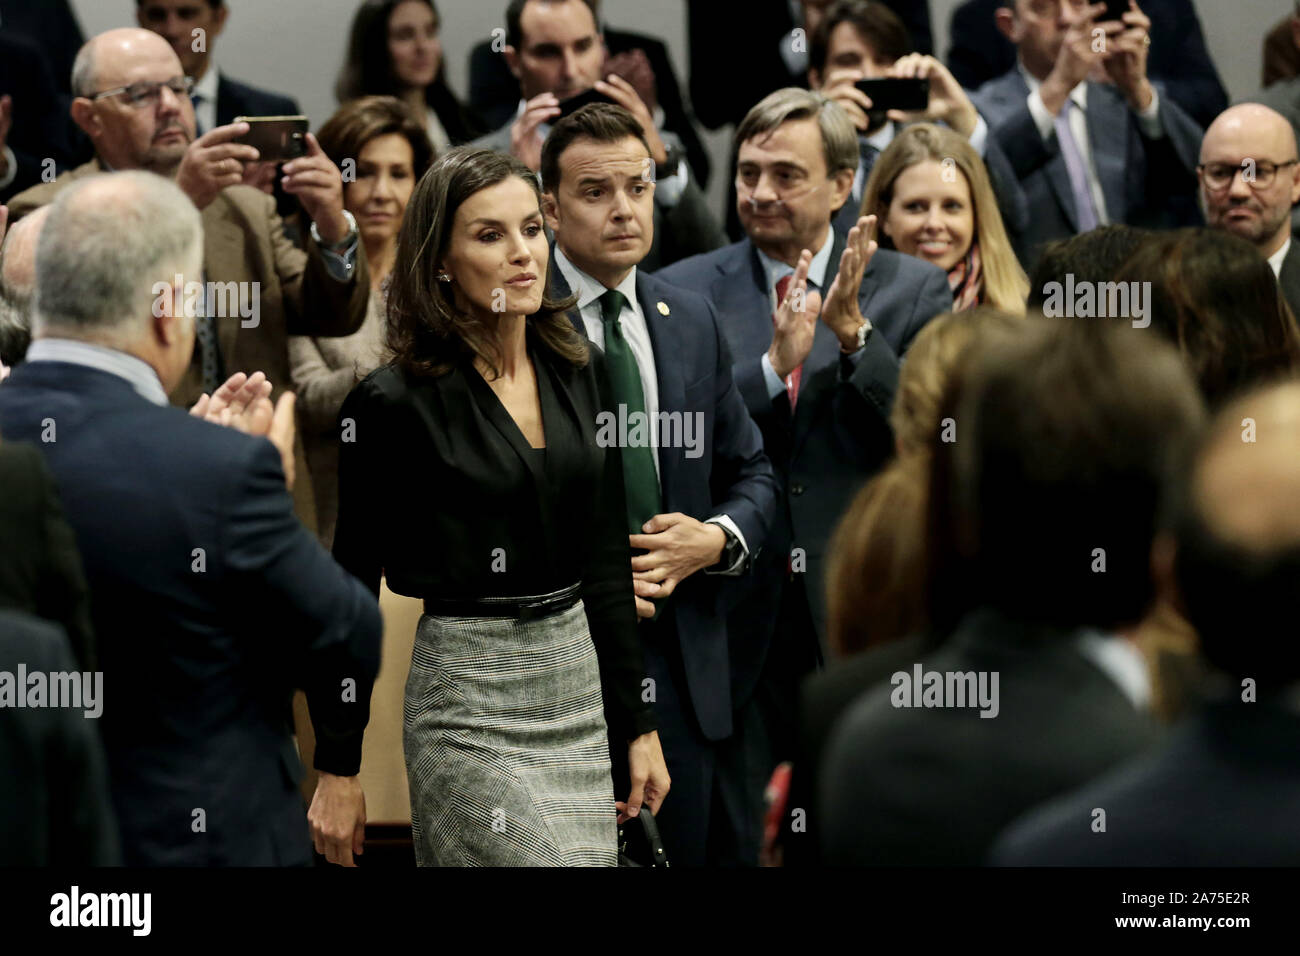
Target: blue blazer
[210,604]
[1147,183]
[838,435]
[733,477]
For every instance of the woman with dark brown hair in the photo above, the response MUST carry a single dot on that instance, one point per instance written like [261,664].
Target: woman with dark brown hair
[470,476]
[387,152]
[1216,298]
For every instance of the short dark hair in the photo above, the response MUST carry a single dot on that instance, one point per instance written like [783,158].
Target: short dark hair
[1094,256]
[345,134]
[878,25]
[515,14]
[1068,440]
[427,332]
[602,122]
[1216,298]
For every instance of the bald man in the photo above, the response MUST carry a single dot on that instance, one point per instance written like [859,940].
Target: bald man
[1223,791]
[132,100]
[17,282]
[1249,179]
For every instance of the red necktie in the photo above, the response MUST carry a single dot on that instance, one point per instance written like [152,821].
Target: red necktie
[791,380]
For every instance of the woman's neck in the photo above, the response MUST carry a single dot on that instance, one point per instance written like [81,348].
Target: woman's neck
[380,257]
[413,97]
[513,342]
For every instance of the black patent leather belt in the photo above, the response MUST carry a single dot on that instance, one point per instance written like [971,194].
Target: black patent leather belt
[523,608]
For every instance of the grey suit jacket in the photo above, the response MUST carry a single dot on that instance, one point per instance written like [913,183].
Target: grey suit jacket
[1145,182]
[685,229]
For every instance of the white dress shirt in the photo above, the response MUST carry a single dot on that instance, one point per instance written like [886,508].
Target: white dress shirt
[1276,259]
[205,110]
[1120,660]
[632,321]
[1149,119]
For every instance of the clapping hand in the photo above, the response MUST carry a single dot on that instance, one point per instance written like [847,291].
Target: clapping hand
[243,403]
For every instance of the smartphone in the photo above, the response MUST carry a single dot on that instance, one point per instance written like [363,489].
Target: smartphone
[896,93]
[574,103]
[276,138]
[1115,10]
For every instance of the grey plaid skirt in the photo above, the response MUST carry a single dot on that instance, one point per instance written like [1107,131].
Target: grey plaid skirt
[505,743]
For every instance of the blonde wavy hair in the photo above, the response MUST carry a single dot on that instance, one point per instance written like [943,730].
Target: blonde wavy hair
[1006,286]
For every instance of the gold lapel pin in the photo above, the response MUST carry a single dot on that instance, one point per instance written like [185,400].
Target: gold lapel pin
[663,308]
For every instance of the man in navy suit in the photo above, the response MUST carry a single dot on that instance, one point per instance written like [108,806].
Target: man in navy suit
[1224,788]
[707,486]
[209,601]
[1087,153]
[818,384]
[217,98]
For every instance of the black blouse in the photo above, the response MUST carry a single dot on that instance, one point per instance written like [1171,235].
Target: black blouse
[440,492]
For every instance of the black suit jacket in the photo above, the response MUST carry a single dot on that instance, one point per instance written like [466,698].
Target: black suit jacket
[54,805]
[736,59]
[730,476]
[211,603]
[837,436]
[239,99]
[1223,792]
[1146,183]
[1289,276]
[1179,58]
[919,785]
[494,91]
[42,128]
[40,568]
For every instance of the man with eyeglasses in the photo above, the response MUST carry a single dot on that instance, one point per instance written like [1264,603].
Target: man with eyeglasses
[132,99]
[1250,179]
[816,321]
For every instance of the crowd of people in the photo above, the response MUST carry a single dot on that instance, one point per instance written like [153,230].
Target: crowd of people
[926,505]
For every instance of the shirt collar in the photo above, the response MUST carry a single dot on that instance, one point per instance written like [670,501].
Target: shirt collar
[137,372]
[588,289]
[882,137]
[1276,259]
[207,87]
[1079,94]
[775,269]
[1121,661]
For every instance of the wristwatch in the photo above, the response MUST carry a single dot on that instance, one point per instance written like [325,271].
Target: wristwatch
[342,243]
[732,551]
[863,331]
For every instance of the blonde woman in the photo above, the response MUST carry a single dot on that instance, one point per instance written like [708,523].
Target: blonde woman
[931,193]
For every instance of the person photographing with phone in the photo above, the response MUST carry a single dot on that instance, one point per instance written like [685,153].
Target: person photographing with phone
[861,57]
[556,51]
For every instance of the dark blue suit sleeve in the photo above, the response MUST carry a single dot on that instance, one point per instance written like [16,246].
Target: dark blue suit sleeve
[282,575]
[743,481]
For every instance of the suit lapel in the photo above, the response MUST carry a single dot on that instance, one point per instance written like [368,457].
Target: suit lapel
[1108,128]
[668,367]
[223,257]
[823,358]
[744,304]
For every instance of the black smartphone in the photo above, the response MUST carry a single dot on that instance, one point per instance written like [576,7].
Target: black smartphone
[1115,10]
[277,139]
[586,98]
[896,93]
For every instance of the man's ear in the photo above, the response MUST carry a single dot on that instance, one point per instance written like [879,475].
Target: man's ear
[1004,18]
[842,186]
[221,13]
[512,59]
[84,115]
[551,211]
[1295,184]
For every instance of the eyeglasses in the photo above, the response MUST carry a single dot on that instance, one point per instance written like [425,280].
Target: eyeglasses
[1259,175]
[146,95]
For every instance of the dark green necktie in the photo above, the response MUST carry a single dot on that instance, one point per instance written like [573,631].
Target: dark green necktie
[640,481]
